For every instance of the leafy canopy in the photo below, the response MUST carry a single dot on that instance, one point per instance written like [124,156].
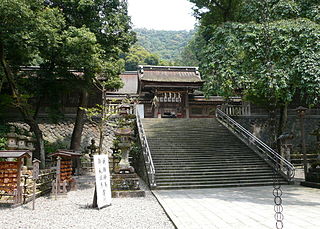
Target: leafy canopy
[269,49]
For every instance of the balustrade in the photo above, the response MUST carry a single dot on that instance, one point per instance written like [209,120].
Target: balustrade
[273,158]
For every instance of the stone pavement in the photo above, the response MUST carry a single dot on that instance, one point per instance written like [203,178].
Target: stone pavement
[241,207]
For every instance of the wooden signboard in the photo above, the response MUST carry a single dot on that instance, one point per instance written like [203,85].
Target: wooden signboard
[66,170]
[9,179]
[103,186]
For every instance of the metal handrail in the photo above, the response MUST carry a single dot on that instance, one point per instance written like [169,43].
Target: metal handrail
[146,152]
[273,158]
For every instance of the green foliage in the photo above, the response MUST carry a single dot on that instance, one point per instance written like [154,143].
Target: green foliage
[52,147]
[95,114]
[271,62]
[3,137]
[64,35]
[140,56]
[80,49]
[188,55]
[166,44]
[135,153]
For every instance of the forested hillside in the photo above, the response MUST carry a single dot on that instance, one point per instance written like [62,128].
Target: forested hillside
[167,44]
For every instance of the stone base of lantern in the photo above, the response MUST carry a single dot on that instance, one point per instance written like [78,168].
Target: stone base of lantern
[123,169]
[126,185]
[128,193]
[310,184]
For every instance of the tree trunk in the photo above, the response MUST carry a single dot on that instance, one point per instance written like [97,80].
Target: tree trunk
[79,123]
[1,82]
[39,146]
[102,122]
[272,127]
[282,124]
[101,137]
[22,106]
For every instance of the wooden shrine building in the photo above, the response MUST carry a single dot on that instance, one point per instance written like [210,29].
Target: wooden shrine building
[167,92]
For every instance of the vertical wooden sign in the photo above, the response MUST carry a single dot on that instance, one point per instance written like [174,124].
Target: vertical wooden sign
[103,186]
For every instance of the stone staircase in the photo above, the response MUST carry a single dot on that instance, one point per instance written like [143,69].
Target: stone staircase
[201,153]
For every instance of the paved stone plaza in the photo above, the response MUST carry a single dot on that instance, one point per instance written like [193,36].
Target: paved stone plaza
[243,207]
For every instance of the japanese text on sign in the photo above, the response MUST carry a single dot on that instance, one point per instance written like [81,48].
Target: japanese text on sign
[103,187]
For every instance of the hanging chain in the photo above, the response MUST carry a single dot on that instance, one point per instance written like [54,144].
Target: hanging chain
[277,191]
[277,195]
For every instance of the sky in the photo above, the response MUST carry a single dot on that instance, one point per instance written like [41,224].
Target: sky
[161,14]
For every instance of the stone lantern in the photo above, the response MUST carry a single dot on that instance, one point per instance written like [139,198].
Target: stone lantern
[124,109]
[29,142]
[316,133]
[12,139]
[124,132]
[22,141]
[286,145]
[124,146]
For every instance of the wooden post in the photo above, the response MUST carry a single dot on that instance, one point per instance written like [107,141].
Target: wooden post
[58,176]
[19,191]
[187,105]
[35,176]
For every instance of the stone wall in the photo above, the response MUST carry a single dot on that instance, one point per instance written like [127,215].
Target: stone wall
[60,133]
[260,127]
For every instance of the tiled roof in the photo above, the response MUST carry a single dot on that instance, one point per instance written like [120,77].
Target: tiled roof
[14,153]
[170,74]
[130,81]
[65,153]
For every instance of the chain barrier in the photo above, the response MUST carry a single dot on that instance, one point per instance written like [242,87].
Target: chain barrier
[277,191]
[277,194]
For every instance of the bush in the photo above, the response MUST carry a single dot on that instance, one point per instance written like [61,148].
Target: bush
[3,137]
[52,147]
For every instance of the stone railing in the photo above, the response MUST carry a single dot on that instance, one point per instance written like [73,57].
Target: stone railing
[236,110]
[146,153]
[115,108]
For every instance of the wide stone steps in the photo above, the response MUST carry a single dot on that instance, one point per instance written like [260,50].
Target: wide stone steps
[219,185]
[211,175]
[201,153]
[214,180]
[185,155]
[206,163]
[208,167]
[200,159]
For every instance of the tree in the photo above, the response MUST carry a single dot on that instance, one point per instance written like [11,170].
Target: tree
[140,56]
[99,114]
[22,23]
[110,27]
[191,54]
[85,36]
[263,48]
[166,44]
